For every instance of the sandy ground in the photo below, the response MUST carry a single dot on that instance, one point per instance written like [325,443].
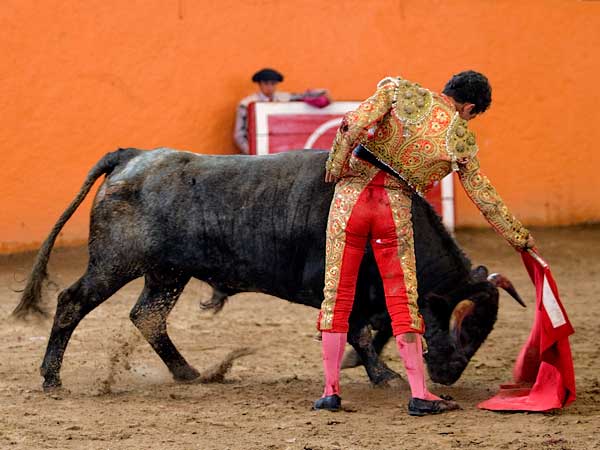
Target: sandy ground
[118,394]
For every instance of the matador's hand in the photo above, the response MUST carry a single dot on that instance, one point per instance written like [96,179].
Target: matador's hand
[329,177]
[529,244]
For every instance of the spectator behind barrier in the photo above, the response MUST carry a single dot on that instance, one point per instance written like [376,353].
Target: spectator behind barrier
[267,80]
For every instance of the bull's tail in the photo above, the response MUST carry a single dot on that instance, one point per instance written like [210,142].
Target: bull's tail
[31,297]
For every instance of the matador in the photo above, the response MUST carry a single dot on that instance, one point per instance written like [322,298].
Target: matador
[401,140]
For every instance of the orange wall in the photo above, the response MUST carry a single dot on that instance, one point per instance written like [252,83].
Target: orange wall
[78,79]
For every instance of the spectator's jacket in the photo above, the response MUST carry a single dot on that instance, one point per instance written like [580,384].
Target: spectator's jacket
[421,137]
[240,134]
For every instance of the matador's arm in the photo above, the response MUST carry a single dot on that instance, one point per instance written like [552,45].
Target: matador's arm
[489,202]
[356,123]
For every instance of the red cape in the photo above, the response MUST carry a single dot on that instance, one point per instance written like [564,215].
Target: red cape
[543,374]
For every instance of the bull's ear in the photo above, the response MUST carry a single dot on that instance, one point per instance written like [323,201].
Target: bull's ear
[479,274]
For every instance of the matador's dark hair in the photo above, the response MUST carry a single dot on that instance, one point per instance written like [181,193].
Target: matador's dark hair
[470,87]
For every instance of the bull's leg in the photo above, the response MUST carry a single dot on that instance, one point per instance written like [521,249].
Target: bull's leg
[383,335]
[362,342]
[74,303]
[149,315]
[369,308]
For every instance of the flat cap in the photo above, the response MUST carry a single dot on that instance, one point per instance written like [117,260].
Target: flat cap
[267,74]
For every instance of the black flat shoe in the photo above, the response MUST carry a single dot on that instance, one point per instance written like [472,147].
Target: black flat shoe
[420,407]
[329,403]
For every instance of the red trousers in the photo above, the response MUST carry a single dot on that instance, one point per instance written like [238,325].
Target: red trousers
[361,211]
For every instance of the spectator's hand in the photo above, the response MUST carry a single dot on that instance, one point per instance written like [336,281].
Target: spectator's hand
[319,98]
[329,177]
[316,92]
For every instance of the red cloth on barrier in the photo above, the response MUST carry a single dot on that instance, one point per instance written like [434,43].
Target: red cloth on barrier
[319,101]
[543,374]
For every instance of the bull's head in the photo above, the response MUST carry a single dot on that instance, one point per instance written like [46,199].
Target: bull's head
[459,322]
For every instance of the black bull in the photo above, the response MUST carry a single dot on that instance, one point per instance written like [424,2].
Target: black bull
[248,224]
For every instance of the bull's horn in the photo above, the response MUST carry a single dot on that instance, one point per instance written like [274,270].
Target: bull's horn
[462,310]
[501,281]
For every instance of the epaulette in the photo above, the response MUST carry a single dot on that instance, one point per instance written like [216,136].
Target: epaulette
[387,80]
[460,142]
[412,103]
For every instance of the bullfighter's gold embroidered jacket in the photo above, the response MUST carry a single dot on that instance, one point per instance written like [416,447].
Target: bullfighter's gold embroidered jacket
[419,134]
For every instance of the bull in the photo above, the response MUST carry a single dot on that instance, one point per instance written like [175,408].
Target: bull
[248,224]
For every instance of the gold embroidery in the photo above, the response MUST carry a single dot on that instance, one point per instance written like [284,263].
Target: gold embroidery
[460,142]
[400,204]
[412,102]
[417,133]
[345,197]
[420,135]
[418,151]
[356,123]
[489,202]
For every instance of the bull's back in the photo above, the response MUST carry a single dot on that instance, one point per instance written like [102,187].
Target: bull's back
[238,221]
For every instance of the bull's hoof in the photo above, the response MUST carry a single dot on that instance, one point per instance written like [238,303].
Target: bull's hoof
[386,378]
[329,403]
[186,375]
[420,407]
[51,384]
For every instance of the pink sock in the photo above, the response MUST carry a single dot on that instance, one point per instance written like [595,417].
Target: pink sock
[412,355]
[333,351]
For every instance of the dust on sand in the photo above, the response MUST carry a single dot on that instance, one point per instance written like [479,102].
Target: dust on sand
[118,394]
